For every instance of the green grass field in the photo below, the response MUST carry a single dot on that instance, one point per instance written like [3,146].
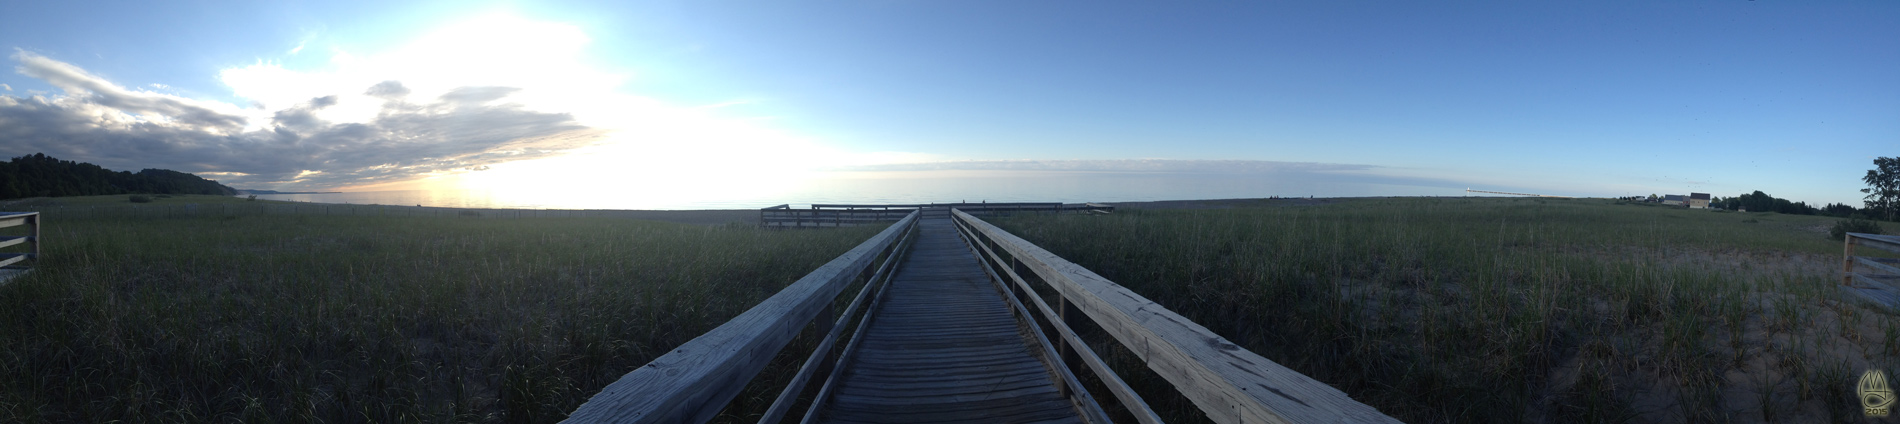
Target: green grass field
[1432,310]
[141,317]
[1509,310]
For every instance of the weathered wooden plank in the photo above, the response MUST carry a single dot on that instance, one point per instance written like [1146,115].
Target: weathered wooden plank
[12,258]
[850,350]
[976,412]
[34,237]
[962,359]
[1875,265]
[1130,400]
[906,377]
[915,393]
[1877,241]
[1229,383]
[1878,293]
[1872,280]
[790,395]
[693,382]
[12,221]
[13,240]
[1069,386]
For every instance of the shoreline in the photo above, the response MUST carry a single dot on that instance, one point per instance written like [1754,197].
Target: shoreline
[751,216]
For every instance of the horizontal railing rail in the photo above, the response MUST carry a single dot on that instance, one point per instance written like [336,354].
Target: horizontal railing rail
[693,382]
[1228,383]
[1060,356]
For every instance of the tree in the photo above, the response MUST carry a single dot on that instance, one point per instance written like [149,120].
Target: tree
[39,175]
[1839,210]
[1883,188]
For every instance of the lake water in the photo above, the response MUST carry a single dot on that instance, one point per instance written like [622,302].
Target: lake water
[896,188]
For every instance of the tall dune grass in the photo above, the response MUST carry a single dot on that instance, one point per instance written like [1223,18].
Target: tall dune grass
[140,318]
[1508,310]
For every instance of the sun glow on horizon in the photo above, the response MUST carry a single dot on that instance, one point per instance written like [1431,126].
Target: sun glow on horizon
[649,146]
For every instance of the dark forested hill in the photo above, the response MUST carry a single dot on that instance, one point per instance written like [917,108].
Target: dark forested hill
[41,176]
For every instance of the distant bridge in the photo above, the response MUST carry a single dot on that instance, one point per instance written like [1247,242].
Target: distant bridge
[948,328]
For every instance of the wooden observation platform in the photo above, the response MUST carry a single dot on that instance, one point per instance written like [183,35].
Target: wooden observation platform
[1876,279]
[950,326]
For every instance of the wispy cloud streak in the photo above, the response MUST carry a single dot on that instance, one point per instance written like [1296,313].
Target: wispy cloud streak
[1118,165]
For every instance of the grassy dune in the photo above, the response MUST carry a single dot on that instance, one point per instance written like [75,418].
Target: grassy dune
[1508,310]
[287,318]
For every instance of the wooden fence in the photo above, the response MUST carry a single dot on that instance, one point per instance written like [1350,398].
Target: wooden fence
[843,215]
[1877,279]
[10,263]
[693,382]
[1230,384]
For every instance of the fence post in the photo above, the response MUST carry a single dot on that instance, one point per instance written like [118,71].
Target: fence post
[1847,268]
[1069,317]
[34,221]
[826,320]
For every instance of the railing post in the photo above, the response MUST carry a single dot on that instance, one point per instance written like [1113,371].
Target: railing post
[1847,267]
[1222,379]
[1069,317]
[827,319]
[34,221]
[1014,266]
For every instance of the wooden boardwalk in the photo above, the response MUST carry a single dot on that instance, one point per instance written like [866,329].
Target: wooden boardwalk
[950,330]
[945,348]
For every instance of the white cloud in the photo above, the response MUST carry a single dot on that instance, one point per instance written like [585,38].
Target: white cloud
[544,59]
[648,139]
[516,97]
[6,87]
[98,121]
[130,105]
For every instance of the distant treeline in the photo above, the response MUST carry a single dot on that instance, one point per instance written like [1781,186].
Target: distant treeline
[41,176]
[1762,202]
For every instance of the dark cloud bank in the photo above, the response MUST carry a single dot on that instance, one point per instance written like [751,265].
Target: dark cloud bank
[463,129]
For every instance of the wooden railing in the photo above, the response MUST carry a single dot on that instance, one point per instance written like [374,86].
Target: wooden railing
[1880,276]
[695,381]
[11,261]
[843,215]
[1228,383]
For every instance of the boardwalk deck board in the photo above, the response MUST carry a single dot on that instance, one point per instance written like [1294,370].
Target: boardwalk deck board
[940,342]
[945,348]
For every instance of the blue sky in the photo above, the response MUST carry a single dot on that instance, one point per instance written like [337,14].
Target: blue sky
[1573,98]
